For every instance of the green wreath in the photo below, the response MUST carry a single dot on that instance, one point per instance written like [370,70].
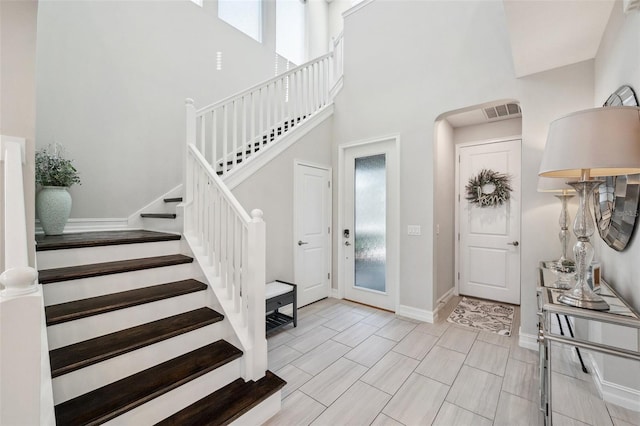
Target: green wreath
[497,197]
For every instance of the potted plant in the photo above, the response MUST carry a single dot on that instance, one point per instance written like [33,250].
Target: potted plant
[54,174]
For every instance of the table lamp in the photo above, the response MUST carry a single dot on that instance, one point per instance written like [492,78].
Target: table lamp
[591,143]
[563,266]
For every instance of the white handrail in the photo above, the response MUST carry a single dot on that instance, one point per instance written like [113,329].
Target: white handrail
[230,247]
[230,131]
[23,347]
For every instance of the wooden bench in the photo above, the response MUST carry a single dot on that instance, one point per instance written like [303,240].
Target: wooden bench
[278,294]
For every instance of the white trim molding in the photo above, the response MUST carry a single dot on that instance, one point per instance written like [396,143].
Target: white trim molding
[612,392]
[442,302]
[528,341]
[394,211]
[356,8]
[416,313]
[91,224]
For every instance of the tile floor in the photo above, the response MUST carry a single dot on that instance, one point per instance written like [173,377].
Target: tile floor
[349,364]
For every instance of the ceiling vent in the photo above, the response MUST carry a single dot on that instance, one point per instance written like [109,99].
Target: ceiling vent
[502,112]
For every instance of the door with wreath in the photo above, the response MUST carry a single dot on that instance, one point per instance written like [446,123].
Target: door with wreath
[488,220]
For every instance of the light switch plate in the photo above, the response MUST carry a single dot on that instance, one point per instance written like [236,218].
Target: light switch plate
[414,230]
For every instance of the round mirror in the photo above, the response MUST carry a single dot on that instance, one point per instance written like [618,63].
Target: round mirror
[616,200]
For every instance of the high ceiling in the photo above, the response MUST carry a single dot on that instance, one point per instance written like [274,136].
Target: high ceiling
[547,34]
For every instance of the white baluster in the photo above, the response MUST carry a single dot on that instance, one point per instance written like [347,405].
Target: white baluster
[237,262]
[244,129]
[214,138]
[225,138]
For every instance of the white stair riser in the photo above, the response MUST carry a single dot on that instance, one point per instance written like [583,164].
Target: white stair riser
[84,256]
[67,291]
[163,225]
[76,331]
[97,375]
[179,398]
[261,412]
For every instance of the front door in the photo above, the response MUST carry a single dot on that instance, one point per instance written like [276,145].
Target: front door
[369,232]
[489,235]
[312,232]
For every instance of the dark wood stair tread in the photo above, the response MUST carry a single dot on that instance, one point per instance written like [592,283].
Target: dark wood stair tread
[114,399]
[63,312]
[47,276]
[159,215]
[173,200]
[98,239]
[82,354]
[228,403]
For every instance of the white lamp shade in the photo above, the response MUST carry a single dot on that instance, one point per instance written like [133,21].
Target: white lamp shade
[604,140]
[547,184]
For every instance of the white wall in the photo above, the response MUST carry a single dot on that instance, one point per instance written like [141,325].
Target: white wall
[18,97]
[618,63]
[487,131]
[336,9]
[271,190]
[317,28]
[401,79]
[112,78]
[444,207]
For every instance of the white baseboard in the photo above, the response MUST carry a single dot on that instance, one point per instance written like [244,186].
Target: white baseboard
[415,313]
[612,392]
[528,341]
[442,301]
[91,224]
[335,293]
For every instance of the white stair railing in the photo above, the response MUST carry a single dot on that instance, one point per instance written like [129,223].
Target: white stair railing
[25,382]
[228,243]
[232,130]
[230,247]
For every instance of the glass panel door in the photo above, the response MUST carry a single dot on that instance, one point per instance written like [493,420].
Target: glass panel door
[370,222]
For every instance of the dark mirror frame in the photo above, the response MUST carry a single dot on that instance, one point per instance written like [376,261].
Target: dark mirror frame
[616,200]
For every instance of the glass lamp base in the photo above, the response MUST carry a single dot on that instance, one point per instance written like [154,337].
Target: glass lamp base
[596,303]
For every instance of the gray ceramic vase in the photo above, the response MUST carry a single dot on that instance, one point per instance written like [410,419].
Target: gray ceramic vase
[53,205]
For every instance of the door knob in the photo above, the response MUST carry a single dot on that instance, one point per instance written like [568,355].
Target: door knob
[347,243]
[514,243]
[300,242]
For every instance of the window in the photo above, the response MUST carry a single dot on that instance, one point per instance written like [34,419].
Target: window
[245,15]
[290,30]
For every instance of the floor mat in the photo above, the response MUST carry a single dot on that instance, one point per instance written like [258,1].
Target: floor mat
[483,315]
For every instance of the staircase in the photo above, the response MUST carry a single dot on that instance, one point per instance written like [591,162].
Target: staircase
[134,340]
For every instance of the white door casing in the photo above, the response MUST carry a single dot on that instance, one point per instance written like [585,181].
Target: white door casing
[387,299]
[312,231]
[488,252]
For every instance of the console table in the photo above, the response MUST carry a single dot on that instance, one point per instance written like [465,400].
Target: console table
[620,314]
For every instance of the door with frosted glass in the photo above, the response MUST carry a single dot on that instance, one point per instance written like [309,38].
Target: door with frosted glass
[369,234]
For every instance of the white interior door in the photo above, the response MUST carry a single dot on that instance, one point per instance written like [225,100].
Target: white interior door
[369,232]
[488,248]
[312,232]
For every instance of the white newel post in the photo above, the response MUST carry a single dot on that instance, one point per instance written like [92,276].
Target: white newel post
[21,309]
[257,362]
